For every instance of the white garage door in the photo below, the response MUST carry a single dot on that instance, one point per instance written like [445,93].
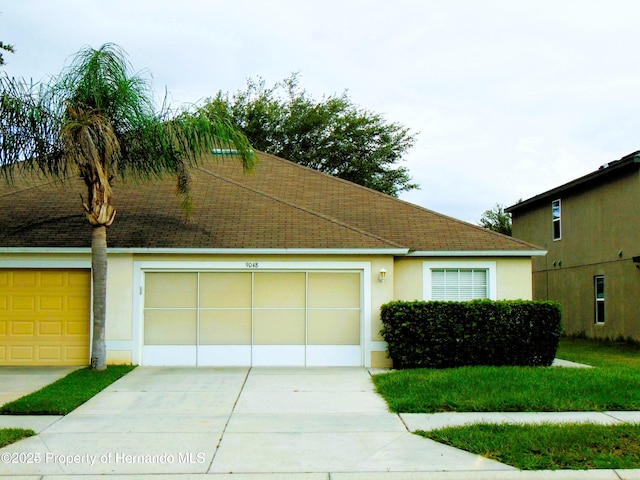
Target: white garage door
[252,318]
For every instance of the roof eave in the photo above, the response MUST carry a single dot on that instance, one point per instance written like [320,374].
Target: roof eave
[631,160]
[477,253]
[213,251]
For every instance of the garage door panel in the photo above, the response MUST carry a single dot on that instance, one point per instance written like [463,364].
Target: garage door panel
[49,353]
[225,290]
[225,327]
[224,355]
[55,304]
[279,355]
[253,318]
[53,279]
[50,328]
[79,304]
[334,290]
[79,328]
[21,353]
[334,327]
[23,303]
[279,290]
[22,328]
[170,327]
[169,355]
[171,290]
[334,356]
[279,327]
[23,279]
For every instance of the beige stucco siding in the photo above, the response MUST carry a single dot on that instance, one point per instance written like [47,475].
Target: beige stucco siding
[119,298]
[514,279]
[408,279]
[404,280]
[513,276]
[599,236]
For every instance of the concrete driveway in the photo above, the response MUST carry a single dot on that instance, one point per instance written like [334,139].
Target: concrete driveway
[285,422]
[15,382]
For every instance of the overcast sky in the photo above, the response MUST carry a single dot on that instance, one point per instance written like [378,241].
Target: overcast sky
[508,98]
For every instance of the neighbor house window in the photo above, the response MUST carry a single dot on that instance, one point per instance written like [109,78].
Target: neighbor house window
[459,281]
[555,219]
[599,300]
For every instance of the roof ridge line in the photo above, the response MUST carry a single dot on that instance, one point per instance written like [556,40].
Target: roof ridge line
[389,197]
[298,207]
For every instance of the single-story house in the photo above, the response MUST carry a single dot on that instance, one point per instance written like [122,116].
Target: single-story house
[282,266]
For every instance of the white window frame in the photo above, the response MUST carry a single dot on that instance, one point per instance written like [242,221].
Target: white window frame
[598,300]
[555,220]
[490,266]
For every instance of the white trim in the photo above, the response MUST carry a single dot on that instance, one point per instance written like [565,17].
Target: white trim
[170,355]
[217,251]
[477,253]
[264,251]
[278,356]
[334,356]
[224,355]
[44,263]
[287,251]
[45,250]
[489,265]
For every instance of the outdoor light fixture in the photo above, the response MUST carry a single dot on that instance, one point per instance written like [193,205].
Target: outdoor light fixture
[382,275]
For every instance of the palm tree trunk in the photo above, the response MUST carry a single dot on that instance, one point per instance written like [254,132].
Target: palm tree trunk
[99,276]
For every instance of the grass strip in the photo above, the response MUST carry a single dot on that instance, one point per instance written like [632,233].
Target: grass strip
[548,447]
[66,394]
[11,435]
[510,389]
[600,353]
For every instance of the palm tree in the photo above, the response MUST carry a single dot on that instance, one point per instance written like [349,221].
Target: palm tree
[97,120]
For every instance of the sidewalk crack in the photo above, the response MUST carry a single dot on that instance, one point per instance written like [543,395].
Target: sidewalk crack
[224,430]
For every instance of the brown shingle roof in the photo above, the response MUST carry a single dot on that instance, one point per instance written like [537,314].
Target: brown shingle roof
[280,205]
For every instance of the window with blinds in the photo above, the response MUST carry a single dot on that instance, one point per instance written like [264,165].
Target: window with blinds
[459,284]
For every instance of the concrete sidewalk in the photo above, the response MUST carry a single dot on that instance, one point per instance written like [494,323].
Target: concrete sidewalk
[260,423]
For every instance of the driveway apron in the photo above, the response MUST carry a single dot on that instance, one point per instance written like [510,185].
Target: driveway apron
[260,420]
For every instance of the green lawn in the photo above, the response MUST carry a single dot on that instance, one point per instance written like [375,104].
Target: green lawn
[600,353]
[10,435]
[548,447]
[66,394]
[613,385]
[510,389]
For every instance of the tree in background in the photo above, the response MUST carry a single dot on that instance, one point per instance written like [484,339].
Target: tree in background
[497,220]
[6,48]
[333,135]
[97,121]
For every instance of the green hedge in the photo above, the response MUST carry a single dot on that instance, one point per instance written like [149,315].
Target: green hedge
[479,332]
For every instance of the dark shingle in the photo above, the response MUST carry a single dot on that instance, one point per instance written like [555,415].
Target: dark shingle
[280,205]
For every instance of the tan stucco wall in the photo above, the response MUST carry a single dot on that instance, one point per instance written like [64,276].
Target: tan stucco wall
[599,237]
[119,297]
[513,277]
[408,279]
[403,282]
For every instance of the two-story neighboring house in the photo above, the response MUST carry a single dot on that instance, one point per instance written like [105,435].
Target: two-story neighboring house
[591,230]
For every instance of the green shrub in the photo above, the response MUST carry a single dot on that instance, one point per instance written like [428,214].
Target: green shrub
[479,332]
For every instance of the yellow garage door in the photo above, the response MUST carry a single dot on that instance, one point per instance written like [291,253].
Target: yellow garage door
[44,317]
